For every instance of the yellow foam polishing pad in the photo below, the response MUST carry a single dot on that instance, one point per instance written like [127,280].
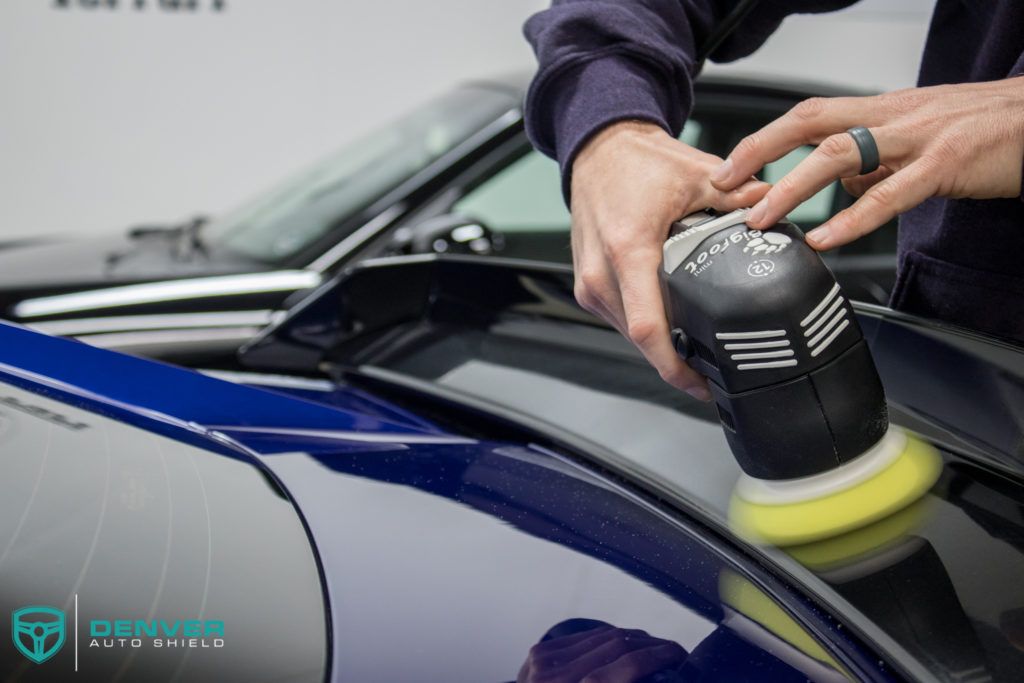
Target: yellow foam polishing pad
[841,551]
[904,480]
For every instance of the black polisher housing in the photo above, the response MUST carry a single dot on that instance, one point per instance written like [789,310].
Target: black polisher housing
[761,315]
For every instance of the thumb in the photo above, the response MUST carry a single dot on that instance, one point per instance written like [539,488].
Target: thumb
[746,195]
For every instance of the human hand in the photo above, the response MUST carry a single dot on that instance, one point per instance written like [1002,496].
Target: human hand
[605,653]
[961,141]
[629,184]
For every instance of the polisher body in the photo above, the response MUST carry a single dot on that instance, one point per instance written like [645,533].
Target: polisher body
[762,317]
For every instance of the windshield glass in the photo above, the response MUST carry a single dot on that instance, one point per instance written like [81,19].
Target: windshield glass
[279,223]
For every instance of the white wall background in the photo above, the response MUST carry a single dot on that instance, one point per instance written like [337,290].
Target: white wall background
[110,117]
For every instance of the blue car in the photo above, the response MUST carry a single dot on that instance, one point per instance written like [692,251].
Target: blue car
[438,468]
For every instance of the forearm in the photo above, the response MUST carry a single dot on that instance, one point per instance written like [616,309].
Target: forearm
[605,59]
[602,61]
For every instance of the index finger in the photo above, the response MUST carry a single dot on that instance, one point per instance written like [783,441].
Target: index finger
[838,156]
[808,123]
[882,202]
[646,324]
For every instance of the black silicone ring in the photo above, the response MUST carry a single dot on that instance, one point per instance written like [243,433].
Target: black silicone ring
[869,161]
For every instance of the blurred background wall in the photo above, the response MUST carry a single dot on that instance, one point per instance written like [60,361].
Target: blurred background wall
[116,112]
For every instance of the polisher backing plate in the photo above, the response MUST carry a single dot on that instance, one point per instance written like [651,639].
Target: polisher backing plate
[903,481]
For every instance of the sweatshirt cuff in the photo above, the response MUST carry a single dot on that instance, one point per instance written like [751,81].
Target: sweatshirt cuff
[585,98]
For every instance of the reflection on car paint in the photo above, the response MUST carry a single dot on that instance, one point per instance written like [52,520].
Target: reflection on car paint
[569,377]
[460,554]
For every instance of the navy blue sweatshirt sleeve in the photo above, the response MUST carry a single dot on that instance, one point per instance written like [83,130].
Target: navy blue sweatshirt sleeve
[603,61]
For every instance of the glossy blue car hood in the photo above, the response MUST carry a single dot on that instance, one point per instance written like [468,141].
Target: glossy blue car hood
[445,557]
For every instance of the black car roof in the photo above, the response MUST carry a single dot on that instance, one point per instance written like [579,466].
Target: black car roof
[517,83]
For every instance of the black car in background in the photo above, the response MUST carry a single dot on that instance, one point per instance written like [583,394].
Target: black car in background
[455,175]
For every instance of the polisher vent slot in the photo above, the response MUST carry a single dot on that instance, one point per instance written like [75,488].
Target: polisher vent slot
[704,353]
[825,322]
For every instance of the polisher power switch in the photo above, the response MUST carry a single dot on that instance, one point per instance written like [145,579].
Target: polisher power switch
[763,318]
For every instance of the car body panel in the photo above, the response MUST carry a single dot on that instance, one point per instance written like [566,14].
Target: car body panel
[473,552]
[456,552]
[103,522]
[934,589]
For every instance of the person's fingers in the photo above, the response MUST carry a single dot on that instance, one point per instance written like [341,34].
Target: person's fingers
[606,306]
[573,639]
[747,194]
[581,647]
[557,654]
[700,156]
[595,286]
[809,122]
[838,156]
[607,652]
[615,318]
[858,185]
[576,243]
[613,307]
[881,203]
[646,326]
[638,664]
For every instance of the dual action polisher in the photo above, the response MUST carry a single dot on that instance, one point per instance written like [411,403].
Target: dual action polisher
[762,317]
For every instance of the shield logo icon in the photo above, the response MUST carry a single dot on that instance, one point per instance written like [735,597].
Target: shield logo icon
[38,631]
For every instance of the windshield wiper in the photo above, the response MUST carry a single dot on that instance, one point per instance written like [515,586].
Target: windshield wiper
[191,239]
[184,238]
[141,231]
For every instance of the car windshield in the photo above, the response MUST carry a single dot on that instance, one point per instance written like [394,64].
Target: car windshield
[278,224]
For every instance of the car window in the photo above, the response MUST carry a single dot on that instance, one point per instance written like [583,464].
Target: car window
[523,201]
[692,133]
[815,210]
[526,196]
[278,224]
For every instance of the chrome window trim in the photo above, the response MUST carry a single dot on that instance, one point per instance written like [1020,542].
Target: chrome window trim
[167,290]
